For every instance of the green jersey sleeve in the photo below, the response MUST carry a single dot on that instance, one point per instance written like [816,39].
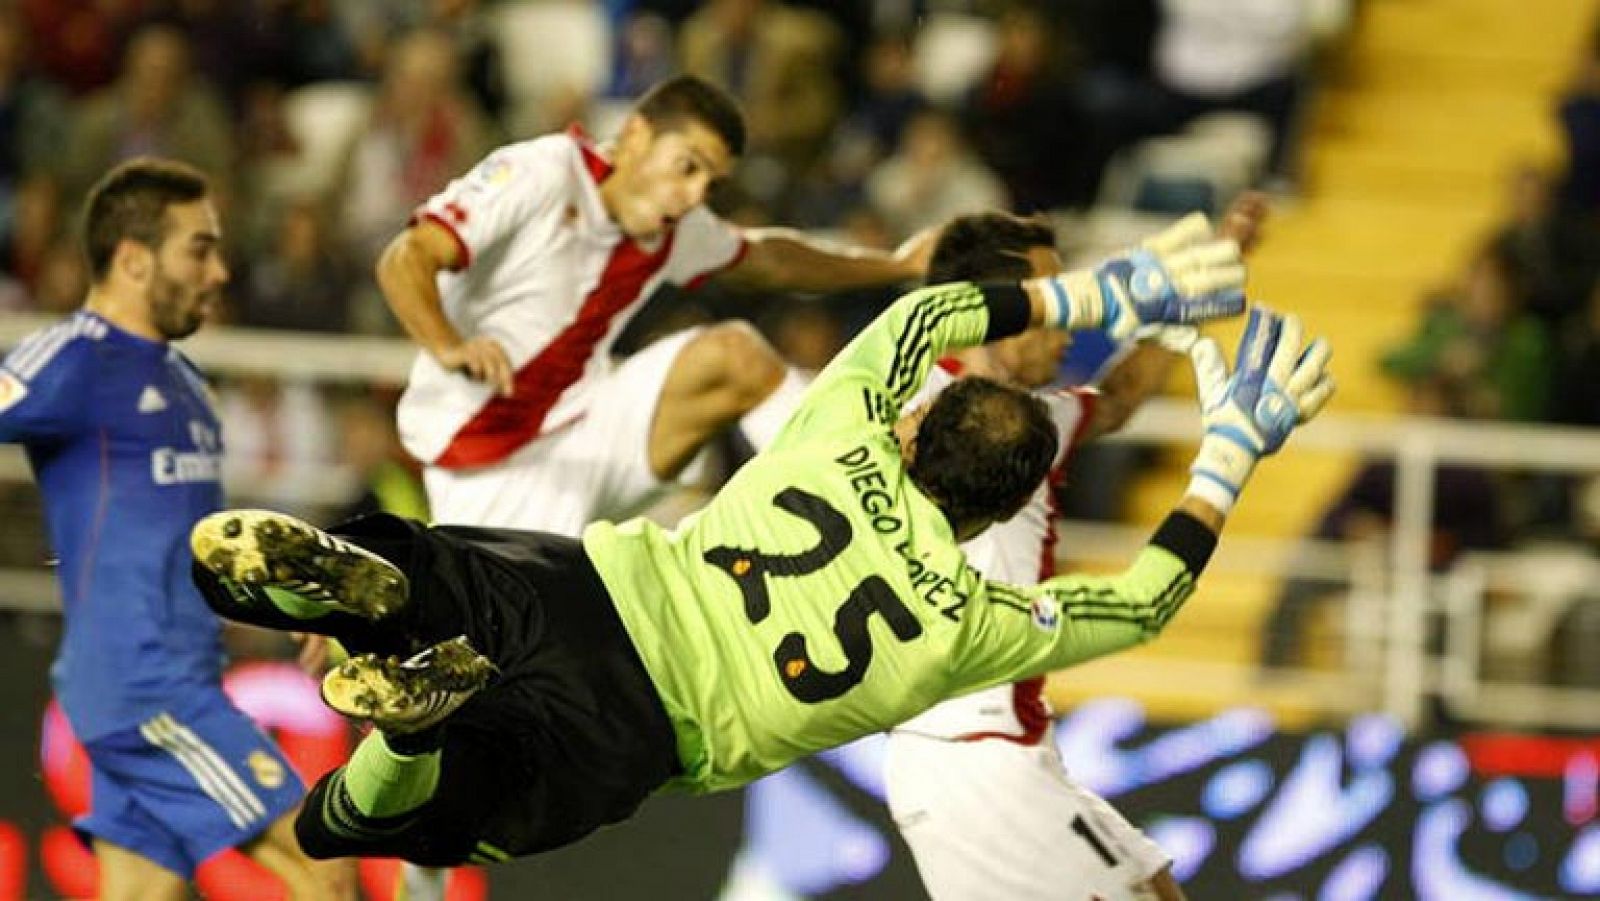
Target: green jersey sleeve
[1016,632]
[869,382]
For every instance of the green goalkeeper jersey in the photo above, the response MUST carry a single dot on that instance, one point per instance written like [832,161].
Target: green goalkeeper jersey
[820,596]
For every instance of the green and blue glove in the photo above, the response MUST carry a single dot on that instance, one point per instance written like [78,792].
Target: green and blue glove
[1185,274]
[1278,383]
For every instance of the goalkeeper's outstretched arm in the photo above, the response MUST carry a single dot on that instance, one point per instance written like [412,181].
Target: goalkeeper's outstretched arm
[1279,382]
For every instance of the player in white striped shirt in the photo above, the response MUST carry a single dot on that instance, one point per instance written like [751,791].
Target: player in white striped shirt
[517,279]
[975,783]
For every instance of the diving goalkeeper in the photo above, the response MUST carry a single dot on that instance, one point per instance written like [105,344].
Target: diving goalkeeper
[528,688]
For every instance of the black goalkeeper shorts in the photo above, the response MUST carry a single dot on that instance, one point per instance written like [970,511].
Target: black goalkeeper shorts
[569,737]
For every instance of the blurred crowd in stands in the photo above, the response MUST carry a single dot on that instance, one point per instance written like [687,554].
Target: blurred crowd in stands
[324,123]
[1514,337]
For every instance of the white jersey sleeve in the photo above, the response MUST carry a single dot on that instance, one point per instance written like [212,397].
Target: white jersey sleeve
[508,188]
[1072,409]
[703,245]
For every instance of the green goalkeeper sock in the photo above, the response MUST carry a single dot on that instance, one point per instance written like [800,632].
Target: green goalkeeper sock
[382,783]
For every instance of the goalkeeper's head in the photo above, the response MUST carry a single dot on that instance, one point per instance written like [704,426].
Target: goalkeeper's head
[979,451]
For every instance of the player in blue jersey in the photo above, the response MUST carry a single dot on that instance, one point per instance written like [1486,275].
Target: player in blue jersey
[122,437]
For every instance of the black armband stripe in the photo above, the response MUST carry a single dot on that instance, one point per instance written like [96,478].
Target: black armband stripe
[1010,311]
[1188,539]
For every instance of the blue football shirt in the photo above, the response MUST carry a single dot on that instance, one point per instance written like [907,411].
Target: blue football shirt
[127,451]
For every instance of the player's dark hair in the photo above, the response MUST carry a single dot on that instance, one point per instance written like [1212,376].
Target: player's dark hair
[130,204]
[988,247]
[982,450]
[685,98]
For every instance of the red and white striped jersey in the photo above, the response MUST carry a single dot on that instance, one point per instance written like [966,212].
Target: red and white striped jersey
[551,277]
[1021,551]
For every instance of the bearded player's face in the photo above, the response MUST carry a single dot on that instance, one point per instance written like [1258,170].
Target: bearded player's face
[186,282]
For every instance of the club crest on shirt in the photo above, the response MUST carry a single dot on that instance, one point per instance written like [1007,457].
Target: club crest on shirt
[266,769]
[151,401]
[12,391]
[1044,613]
[498,173]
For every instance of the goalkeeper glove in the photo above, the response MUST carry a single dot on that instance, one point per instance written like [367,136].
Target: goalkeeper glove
[1184,274]
[1277,384]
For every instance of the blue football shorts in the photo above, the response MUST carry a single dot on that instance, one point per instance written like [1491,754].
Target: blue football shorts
[186,785]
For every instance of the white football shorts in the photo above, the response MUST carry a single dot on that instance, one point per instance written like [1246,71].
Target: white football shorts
[994,820]
[597,467]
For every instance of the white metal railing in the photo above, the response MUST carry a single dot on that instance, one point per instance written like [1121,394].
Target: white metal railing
[1417,446]
[1548,582]
[289,355]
